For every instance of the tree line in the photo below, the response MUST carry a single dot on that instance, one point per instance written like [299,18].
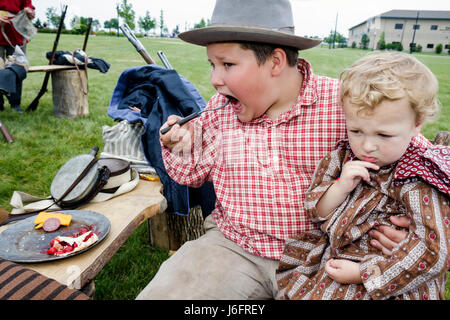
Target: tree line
[125,12]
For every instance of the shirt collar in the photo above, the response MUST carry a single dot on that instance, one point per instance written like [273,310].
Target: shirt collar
[430,164]
[308,91]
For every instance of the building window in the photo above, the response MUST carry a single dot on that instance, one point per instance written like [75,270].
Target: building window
[430,46]
[416,26]
[434,27]
[399,26]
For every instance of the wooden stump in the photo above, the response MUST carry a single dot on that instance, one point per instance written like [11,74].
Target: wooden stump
[70,93]
[169,231]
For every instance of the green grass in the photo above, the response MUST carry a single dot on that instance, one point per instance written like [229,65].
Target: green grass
[43,143]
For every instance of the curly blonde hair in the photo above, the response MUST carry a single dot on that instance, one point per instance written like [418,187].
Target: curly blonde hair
[391,76]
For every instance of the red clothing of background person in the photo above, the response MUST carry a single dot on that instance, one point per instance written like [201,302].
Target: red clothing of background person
[9,38]
[13,7]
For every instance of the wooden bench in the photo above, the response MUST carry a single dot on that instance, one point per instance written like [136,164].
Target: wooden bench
[49,68]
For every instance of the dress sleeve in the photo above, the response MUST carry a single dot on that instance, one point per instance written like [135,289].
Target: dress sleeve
[326,172]
[420,258]
[192,167]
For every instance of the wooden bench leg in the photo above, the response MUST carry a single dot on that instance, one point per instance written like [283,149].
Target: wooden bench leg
[89,289]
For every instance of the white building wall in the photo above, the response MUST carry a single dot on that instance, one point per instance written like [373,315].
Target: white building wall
[426,36]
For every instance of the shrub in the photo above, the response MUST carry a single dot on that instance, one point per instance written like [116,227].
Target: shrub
[439,48]
[381,45]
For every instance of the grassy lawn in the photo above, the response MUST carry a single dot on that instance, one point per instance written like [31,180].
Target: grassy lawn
[43,142]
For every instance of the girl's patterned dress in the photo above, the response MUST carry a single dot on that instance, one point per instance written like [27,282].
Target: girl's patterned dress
[416,186]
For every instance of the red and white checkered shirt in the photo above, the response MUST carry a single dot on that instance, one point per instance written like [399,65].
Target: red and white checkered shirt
[262,168]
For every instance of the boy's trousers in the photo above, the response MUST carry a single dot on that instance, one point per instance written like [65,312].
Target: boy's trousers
[213,267]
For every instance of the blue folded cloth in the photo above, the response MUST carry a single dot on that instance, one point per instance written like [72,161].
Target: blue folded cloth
[158,93]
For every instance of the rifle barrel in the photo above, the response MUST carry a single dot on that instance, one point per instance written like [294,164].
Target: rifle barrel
[6,133]
[136,43]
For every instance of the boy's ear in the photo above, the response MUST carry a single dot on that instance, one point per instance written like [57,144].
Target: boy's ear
[279,61]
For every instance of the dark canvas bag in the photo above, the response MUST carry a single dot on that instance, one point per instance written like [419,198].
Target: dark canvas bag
[24,26]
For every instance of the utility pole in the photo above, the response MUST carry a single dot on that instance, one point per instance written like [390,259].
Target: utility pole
[412,45]
[335,27]
[118,22]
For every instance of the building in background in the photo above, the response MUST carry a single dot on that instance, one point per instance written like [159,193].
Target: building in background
[408,27]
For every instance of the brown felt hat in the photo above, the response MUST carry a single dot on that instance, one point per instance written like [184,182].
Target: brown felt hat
[266,21]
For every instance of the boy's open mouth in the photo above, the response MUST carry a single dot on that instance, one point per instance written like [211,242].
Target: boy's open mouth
[231,98]
[235,104]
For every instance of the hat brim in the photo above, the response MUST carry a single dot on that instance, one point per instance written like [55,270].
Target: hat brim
[225,33]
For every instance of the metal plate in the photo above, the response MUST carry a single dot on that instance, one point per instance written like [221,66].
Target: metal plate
[22,243]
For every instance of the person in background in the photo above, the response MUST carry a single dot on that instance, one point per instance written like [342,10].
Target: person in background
[379,172]
[9,38]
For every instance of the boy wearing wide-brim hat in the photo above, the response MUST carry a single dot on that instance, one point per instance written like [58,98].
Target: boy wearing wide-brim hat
[259,151]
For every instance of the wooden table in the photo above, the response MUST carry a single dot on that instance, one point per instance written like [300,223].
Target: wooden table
[125,212]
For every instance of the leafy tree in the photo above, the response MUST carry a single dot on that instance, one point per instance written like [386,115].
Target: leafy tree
[79,24]
[147,23]
[162,27]
[95,25]
[339,39]
[53,18]
[38,23]
[365,41]
[438,49]
[126,12]
[201,24]
[111,24]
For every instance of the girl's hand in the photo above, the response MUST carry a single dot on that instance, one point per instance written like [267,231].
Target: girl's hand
[343,271]
[353,172]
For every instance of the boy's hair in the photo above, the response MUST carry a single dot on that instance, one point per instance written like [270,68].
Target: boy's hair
[391,76]
[264,50]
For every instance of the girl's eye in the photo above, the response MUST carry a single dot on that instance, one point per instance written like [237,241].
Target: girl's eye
[355,131]
[384,135]
[228,65]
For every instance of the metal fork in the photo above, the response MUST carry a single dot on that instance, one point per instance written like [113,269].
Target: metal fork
[192,116]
